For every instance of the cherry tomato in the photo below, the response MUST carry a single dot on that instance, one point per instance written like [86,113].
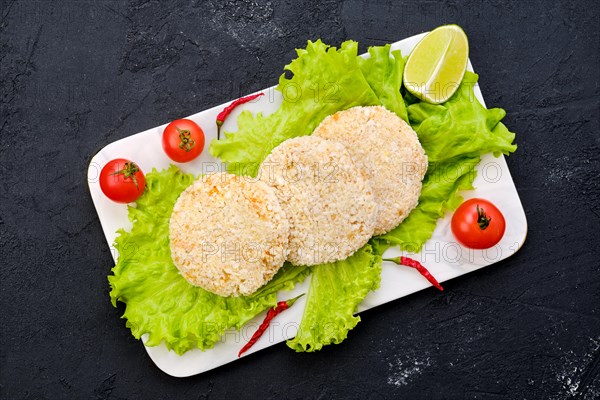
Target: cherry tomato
[478,224]
[122,180]
[183,140]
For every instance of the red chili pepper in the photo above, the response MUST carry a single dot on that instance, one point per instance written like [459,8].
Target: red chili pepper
[409,262]
[227,110]
[272,313]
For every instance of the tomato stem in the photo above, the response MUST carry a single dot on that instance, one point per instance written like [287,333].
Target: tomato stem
[187,143]
[482,220]
[129,170]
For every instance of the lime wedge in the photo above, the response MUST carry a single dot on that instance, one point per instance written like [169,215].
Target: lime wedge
[437,64]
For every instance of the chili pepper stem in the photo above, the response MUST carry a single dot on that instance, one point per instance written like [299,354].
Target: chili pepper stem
[290,302]
[219,125]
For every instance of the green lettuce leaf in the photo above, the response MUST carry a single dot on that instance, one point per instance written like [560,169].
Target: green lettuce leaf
[384,74]
[460,126]
[325,80]
[336,290]
[159,301]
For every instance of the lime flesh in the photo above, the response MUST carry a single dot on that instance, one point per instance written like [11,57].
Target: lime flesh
[437,64]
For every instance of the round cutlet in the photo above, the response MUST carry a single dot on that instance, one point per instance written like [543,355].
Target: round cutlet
[388,151]
[228,234]
[328,202]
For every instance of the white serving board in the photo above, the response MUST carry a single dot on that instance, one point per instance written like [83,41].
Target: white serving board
[441,254]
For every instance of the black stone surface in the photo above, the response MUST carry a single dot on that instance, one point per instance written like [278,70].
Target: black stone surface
[77,75]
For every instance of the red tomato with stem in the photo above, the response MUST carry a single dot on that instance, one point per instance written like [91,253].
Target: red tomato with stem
[183,140]
[478,224]
[122,180]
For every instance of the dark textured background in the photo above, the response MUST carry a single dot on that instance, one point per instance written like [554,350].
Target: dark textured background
[77,75]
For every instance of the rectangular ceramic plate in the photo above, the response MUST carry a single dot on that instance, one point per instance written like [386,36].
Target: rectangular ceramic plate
[444,258]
